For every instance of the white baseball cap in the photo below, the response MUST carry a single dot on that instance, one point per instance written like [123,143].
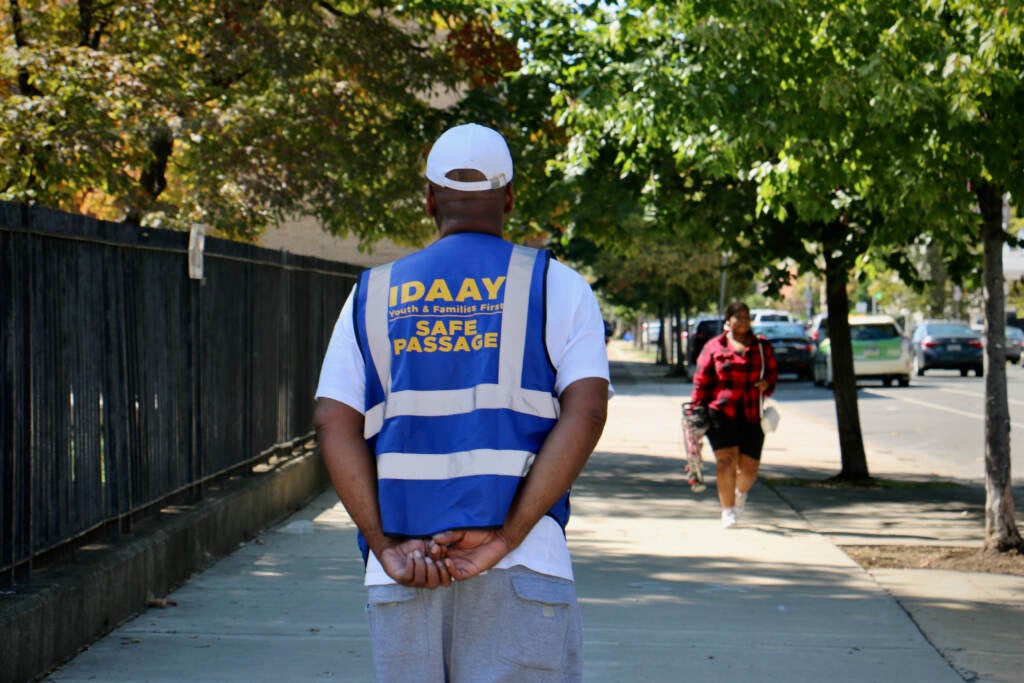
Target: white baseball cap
[470,146]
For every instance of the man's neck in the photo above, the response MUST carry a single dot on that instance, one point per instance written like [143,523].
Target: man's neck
[471,227]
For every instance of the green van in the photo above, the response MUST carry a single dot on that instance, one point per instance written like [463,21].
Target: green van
[879,352]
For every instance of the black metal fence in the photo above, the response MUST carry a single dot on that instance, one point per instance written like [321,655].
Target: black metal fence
[124,383]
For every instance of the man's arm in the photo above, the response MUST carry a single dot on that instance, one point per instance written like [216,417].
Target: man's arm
[339,429]
[583,411]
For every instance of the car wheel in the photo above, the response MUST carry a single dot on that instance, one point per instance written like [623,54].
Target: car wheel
[918,366]
[904,381]
[887,381]
[979,371]
[963,372]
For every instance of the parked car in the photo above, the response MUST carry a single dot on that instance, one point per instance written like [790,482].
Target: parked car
[879,352]
[817,329]
[769,315]
[650,332]
[947,345]
[793,349]
[1014,343]
[702,330]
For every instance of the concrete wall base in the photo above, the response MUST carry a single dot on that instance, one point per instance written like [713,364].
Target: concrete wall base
[46,622]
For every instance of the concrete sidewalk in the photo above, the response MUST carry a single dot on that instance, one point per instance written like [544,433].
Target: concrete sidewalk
[667,595]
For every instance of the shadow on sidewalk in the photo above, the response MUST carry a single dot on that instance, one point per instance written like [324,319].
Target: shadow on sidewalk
[625,374]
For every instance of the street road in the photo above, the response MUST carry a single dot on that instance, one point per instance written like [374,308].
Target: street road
[939,419]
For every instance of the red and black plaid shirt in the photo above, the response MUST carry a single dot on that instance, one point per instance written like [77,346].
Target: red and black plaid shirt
[725,378]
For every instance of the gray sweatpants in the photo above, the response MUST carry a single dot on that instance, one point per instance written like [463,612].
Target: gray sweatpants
[505,625]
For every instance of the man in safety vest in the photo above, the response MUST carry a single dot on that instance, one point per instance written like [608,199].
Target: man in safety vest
[462,392]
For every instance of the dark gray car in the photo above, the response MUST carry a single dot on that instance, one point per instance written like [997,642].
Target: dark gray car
[947,345]
[794,350]
[702,330]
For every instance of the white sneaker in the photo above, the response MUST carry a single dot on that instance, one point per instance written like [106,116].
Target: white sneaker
[741,504]
[729,518]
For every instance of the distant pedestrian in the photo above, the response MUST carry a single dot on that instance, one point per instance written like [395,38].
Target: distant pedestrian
[730,380]
[462,392]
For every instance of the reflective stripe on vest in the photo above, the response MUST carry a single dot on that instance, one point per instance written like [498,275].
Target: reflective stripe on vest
[465,464]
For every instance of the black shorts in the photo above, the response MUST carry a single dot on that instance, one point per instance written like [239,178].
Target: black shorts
[726,432]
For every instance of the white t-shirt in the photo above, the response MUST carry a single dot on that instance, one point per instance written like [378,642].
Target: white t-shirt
[576,346]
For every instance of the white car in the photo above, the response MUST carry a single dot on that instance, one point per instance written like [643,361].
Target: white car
[769,315]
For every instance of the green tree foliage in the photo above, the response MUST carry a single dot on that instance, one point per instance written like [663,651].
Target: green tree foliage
[962,64]
[656,246]
[232,113]
[711,108]
[865,131]
[983,96]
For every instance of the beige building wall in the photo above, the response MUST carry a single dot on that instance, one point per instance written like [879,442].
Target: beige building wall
[305,236]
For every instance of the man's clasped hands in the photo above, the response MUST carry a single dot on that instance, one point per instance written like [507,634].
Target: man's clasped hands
[448,556]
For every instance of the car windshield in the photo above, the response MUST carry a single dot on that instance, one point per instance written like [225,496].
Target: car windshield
[950,330]
[1014,333]
[873,332]
[780,330]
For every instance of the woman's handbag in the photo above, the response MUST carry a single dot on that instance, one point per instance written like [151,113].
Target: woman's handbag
[769,409]
[769,415]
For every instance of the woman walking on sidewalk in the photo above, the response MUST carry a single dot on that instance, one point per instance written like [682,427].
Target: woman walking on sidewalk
[734,371]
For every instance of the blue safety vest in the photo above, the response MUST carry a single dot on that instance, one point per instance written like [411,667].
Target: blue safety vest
[459,386]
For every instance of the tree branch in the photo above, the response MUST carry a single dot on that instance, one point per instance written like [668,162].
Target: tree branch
[25,86]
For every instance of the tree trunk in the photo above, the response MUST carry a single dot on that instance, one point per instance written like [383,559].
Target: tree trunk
[25,86]
[1001,531]
[679,367]
[936,290]
[677,339]
[851,441]
[661,356]
[153,179]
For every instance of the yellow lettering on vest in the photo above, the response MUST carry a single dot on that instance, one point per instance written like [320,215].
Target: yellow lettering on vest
[493,286]
[413,345]
[454,326]
[461,344]
[439,328]
[469,290]
[470,326]
[477,343]
[422,327]
[412,291]
[399,345]
[491,340]
[392,296]
[444,344]
[439,290]
[430,344]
